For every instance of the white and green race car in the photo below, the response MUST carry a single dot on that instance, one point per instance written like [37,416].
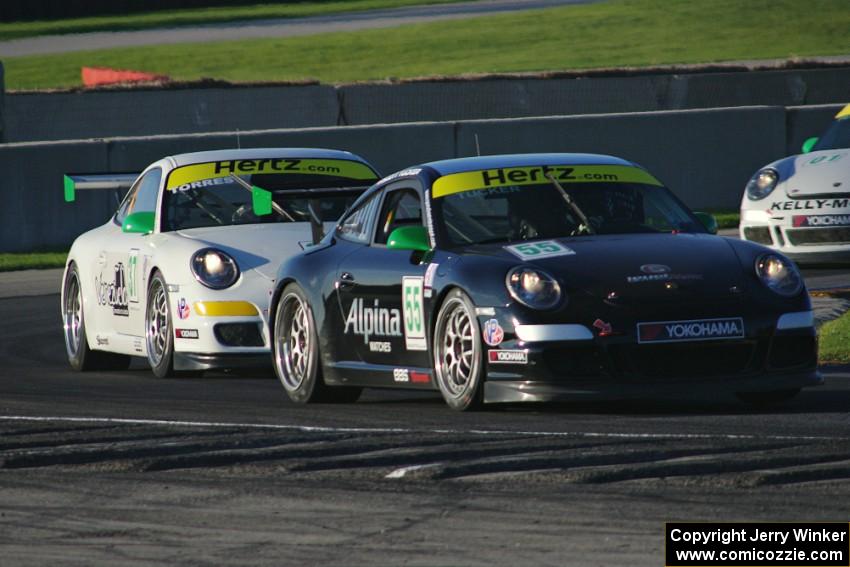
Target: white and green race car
[182,272]
[800,205]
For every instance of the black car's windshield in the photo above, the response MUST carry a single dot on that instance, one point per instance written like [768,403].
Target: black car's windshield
[836,136]
[524,212]
[217,198]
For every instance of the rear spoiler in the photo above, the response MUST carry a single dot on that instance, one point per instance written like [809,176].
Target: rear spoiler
[96,181]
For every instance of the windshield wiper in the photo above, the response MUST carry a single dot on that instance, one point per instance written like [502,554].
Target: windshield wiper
[572,204]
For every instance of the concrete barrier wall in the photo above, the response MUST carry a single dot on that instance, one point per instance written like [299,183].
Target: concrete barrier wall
[803,122]
[498,98]
[102,114]
[513,98]
[705,156]
[34,215]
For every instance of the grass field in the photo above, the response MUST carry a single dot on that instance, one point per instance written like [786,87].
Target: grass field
[609,34]
[31,260]
[176,18]
[726,218]
[835,341]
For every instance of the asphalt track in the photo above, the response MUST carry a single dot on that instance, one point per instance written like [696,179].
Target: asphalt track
[98,468]
[255,29]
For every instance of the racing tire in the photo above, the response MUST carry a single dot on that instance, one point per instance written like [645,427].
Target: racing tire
[159,336]
[458,353]
[767,398]
[295,352]
[80,356]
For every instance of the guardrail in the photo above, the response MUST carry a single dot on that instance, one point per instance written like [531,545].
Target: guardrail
[193,109]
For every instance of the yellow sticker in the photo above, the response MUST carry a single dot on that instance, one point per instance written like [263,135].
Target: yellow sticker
[536,175]
[225,309]
[843,112]
[212,170]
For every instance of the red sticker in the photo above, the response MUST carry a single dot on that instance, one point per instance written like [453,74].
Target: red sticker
[419,377]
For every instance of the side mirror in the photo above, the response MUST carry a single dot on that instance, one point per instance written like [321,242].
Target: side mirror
[261,201]
[809,144]
[70,189]
[708,221]
[409,238]
[138,223]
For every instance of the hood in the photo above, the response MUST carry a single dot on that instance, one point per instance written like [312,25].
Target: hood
[642,267]
[816,173]
[259,247]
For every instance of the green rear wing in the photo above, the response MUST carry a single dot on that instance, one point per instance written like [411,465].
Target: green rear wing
[74,182]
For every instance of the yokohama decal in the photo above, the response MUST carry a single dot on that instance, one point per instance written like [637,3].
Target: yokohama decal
[698,330]
[820,220]
[507,357]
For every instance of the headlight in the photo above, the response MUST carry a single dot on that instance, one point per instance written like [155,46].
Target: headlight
[532,287]
[762,183]
[214,268]
[779,274]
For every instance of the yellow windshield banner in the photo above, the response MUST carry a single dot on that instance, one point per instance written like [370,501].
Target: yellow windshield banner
[536,175]
[844,112]
[186,175]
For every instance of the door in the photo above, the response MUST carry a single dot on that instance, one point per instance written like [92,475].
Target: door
[380,295]
[124,304]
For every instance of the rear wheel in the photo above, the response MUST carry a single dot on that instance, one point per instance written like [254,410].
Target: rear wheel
[80,356]
[766,398]
[296,353]
[458,353]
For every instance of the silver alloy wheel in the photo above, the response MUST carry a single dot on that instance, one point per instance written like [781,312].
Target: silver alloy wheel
[72,314]
[292,341]
[157,323]
[457,357]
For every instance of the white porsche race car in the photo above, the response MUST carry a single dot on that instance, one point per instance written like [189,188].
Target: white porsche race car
[182,272]
[800,205]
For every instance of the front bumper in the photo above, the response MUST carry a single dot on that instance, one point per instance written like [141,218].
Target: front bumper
[807,236]
[568,364]
[219,328]
[191,361]
[506,391]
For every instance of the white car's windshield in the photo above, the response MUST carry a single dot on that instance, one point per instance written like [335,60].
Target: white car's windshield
[211,195]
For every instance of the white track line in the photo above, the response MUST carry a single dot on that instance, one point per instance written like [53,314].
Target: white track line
[401,472]
[482,432]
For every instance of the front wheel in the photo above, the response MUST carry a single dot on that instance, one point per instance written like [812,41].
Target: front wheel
[80,356]
[296,353]
[158,334]
[458,353]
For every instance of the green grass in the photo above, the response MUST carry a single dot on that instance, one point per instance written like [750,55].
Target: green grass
[835,341]
[610,34]
[176,18]
[10,261]
[726,218]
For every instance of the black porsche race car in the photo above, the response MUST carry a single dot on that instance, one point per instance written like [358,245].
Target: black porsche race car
[535,277]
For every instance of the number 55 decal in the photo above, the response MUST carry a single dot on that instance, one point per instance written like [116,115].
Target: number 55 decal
[414,313]
[541,249]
